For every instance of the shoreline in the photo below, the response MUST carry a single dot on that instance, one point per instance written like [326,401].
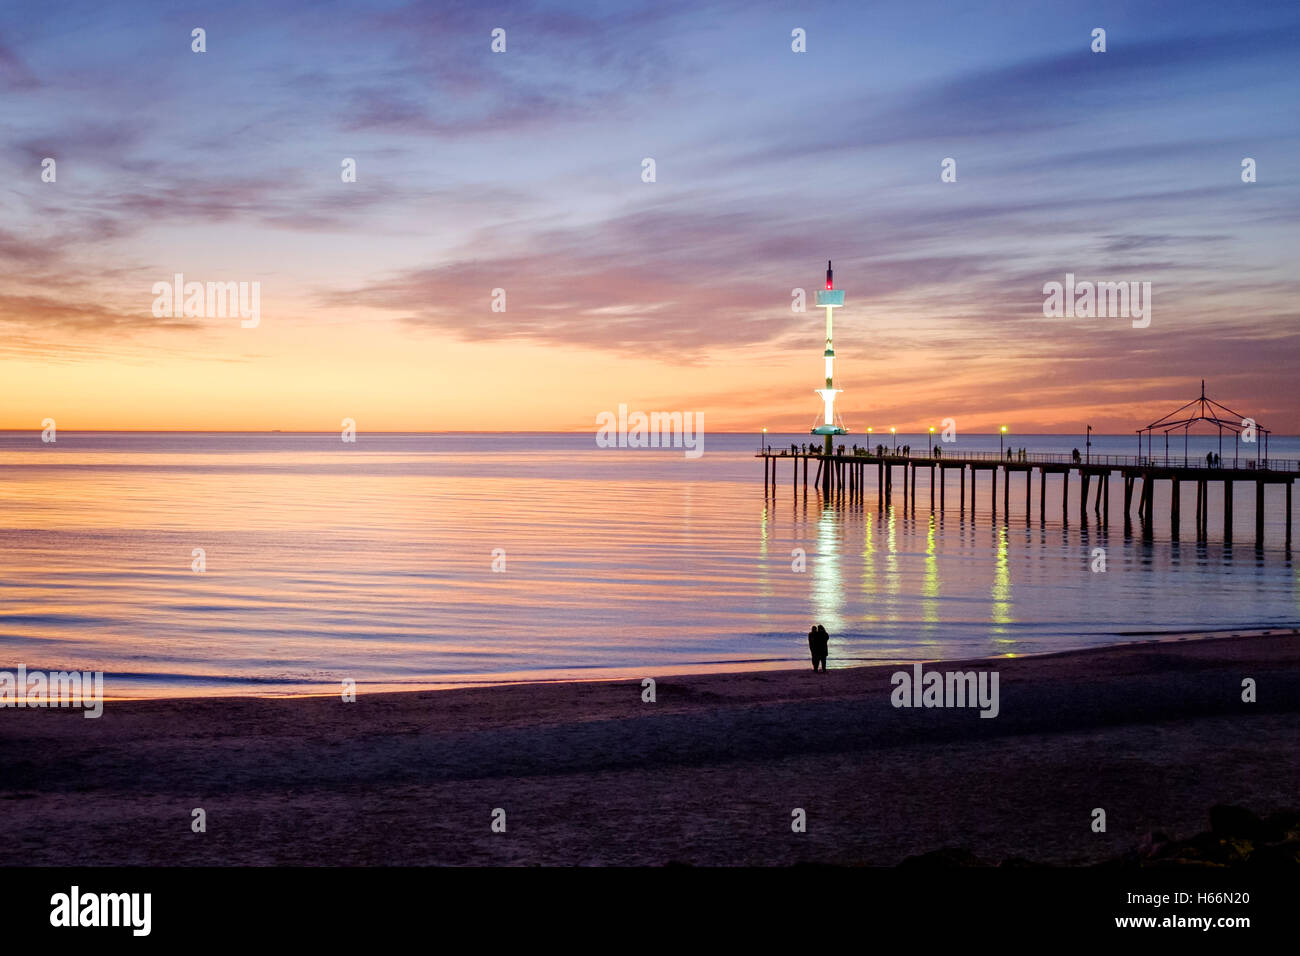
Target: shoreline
[1154,732]
[683,671]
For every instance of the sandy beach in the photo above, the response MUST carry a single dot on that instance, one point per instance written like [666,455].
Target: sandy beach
[587,773]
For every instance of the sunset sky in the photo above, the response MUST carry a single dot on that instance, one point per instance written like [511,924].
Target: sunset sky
[522,171]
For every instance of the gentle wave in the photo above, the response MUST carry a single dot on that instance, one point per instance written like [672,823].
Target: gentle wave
[373,563]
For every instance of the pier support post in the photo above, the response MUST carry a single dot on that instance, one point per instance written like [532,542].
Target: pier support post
[1205,513]
[1227,511]
[943,486]
[1029,484]
[1148,504]
[972,491]
[1065,496]
[1105,499]
[1042,495]
[1288,515]
[1175,506]
[1259,513]
[961,473]
[1200,508]
[1084,479]
[993,491]
[1006,495]
[932,487]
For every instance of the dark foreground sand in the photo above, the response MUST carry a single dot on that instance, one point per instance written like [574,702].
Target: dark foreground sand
[1154,733]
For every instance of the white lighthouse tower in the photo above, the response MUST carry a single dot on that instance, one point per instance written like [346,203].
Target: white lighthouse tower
[829,299]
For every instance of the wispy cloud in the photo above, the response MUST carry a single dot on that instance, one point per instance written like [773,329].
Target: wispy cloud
[521,171]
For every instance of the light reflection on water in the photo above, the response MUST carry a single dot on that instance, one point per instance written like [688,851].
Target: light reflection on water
[373,562]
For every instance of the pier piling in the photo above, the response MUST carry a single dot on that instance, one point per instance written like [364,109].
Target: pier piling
[1175,507]
[840,476]
[1259,513]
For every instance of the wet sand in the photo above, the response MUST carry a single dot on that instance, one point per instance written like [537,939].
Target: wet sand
[587,773]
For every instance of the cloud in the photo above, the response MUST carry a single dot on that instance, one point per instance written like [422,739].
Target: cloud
[15,75]
[63,316]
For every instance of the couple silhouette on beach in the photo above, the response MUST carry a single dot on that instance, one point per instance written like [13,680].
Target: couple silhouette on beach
[818,642]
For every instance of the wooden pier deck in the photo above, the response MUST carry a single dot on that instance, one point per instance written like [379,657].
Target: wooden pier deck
[842,476]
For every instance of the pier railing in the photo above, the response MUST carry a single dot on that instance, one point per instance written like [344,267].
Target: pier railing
[1130,461]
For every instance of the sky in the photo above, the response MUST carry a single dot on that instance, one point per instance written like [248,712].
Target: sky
[523,171]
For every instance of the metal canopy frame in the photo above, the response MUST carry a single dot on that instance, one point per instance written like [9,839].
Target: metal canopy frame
[1207,410]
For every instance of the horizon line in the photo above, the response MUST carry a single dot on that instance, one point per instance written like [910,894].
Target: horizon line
[528,431]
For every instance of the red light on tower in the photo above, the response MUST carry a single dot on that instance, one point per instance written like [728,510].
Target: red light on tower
[830,276]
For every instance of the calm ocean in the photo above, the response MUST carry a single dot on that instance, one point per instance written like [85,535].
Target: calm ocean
[374,561]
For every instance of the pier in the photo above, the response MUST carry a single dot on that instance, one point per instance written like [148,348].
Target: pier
[843,476]
[839,475]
